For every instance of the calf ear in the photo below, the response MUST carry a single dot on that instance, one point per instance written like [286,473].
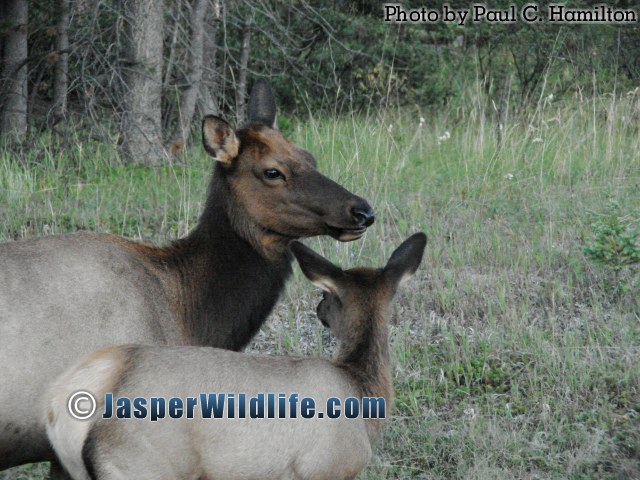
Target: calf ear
[219,139]
[320,271]
[262,104]
[406,259]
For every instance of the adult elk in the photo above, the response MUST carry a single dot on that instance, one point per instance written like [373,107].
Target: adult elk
[355,307]
[62,297]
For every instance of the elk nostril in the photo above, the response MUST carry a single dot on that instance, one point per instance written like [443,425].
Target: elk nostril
[363,216]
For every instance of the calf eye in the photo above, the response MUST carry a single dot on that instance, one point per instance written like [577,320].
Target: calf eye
[273,174]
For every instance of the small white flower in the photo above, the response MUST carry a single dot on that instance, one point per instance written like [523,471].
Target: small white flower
[422,121]
[390,128]
[444,137]
[509,176]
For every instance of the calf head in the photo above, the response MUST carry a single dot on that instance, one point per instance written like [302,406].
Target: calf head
[354,298]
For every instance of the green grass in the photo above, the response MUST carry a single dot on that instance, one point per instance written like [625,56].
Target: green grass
[512,358]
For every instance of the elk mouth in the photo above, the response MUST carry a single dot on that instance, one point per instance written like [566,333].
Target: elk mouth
[345,234]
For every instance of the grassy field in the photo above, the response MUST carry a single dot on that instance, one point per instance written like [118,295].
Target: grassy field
[515,354]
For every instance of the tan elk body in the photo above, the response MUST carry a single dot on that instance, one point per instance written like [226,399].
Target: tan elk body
[355,307]
[63,297]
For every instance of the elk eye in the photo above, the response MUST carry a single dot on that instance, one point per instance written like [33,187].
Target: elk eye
[273,174]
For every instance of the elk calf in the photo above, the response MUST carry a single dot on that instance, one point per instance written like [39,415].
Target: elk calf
[355,307]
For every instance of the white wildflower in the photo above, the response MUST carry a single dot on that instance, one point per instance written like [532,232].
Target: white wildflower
[444,137]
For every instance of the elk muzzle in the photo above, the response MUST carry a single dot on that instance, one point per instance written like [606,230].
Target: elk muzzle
[361,216]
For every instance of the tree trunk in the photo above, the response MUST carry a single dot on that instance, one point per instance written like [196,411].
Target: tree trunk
[175,24]
[241,87]
[61,80]
[3,15]
[141,127]
[13,122]
[208,104]
[194,76]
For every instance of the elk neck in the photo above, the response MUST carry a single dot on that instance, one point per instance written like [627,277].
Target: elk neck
[224,284]
[367,362]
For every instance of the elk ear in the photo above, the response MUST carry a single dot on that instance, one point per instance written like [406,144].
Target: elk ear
[262,104]
[320,271]
[219,139]
[406,259]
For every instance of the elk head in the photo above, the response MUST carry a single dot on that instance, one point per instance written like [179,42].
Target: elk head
[354,298]
[274,182]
